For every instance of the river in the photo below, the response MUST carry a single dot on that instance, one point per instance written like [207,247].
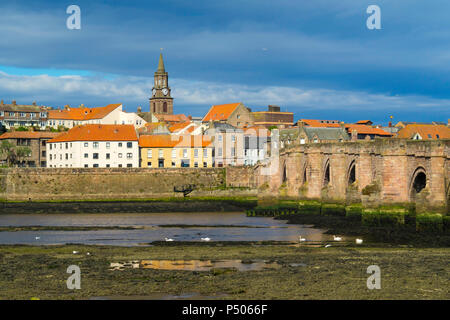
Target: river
[149,227]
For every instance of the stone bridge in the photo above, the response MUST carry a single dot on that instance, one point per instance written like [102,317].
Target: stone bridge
[382,171]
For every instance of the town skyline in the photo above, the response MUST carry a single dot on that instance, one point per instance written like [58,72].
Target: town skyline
[330,68]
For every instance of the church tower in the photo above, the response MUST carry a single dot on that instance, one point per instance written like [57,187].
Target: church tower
[161,102]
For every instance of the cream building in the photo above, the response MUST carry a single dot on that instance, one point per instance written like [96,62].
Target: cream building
[111,114]
[94,146]
[171,151]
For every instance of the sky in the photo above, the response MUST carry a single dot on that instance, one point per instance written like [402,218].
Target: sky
[315,58]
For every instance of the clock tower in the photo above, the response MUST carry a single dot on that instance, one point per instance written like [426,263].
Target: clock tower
[161,102]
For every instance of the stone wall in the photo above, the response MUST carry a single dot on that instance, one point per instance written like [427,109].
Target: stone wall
[111,183]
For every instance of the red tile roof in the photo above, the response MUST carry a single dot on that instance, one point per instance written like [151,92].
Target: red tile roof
[99,132]
[321,123]
[365,129]
[170,141]
[220,112]
[426,131]
[82,113]
[29,135]
[178,126]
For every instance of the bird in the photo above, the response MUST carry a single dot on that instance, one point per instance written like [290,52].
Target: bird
[75,252]
[328,245]
[37,238]
[205,239]
[169,239]
[88,253]
[337,238]
[300,239]
[359,241]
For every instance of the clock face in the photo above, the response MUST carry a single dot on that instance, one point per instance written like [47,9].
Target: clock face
[154,91]
[165,91]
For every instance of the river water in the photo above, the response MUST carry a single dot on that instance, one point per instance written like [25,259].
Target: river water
[217,226]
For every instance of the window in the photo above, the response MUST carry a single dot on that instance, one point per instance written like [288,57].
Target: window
[67,156]
[238,116]
[219,138]
[67,145]
[173,164]
[108,145]
[195,153]
[205,164]
[95,165]
[149,164]
[160,153]
[120,165]
[86,144]
[129,145]
[51,145]
[149,153]
[437,136]
[196,164]
[95,145]
[129,156]
[108,166]
[233,152]
[174,153]
[119,155]
[120,144]
[50,157]
[108,156]
[86,155]
[95,156]
[219,152]
[205,153]
[185,153]
[129,165]
[86,166]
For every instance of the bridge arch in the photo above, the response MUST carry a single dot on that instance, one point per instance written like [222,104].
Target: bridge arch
[351,173]
[326,173]
[418,182]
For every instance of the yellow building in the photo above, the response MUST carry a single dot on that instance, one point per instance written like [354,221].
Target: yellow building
[170,151]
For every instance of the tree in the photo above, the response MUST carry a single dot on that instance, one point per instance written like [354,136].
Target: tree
[8,150]
[22,152]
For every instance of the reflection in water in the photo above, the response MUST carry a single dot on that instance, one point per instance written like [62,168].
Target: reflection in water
[152,227]
[195,265]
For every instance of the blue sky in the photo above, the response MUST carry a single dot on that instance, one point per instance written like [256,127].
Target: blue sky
[315,58]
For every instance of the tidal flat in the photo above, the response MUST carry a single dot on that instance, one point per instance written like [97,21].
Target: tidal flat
[336,272]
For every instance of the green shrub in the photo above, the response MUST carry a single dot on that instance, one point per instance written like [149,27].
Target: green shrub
[333,210]
[309,207]
[429,222]
[446,223]
[384,217]
[370,217]
[354,212]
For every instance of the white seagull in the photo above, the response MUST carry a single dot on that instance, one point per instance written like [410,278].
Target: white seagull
[359,241]
[300,239]
[205,239]
[75,252]
[169,239]
[328,245]
[88,253]
[337,238]
[37,238]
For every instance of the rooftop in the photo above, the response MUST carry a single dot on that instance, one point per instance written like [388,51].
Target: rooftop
[220,112]
[99,132]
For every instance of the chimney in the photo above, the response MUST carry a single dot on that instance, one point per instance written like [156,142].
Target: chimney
[139,109]
[354,135]
[14,103]
[82,105]
[66,107]
[34,103]
[390,124]
[2,103]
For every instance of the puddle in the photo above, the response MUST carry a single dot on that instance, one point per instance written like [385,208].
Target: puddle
[164,296]
[196,265]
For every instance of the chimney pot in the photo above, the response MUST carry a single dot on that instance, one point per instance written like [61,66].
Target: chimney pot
[14,102]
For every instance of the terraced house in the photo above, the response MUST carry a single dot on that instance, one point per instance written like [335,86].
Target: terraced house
[18,115]
[95,146]
[171,151]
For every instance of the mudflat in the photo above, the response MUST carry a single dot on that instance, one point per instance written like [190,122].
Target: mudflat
[336,272]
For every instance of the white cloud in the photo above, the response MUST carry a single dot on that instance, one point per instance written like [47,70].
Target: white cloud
[132,91]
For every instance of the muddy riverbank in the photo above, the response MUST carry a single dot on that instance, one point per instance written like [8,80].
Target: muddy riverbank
[305,273]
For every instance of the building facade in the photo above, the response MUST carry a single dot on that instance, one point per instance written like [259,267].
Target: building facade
[228,144]
[95,146]
[234,114]
[36,141]
[111,114]
[164,151]
[15,115]
[274,117]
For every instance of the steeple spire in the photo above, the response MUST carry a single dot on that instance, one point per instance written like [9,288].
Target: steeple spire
[160,64]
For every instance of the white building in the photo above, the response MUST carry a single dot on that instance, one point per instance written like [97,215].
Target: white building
[256,140]
[94,146]
[111,114]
